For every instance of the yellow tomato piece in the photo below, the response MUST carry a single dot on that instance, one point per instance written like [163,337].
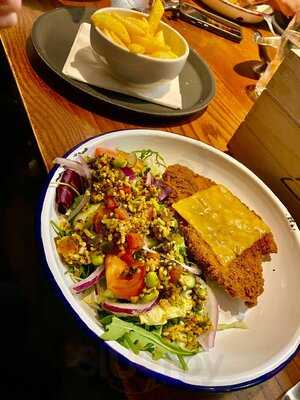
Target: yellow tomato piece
[136,48]
[131,24]
[155,15]
[107,21]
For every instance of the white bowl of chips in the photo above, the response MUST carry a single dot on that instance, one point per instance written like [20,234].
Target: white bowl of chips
[138,48]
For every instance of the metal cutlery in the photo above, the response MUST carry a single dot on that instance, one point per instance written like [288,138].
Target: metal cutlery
[205,20]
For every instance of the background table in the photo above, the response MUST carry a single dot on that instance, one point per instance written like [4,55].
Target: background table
[60,121]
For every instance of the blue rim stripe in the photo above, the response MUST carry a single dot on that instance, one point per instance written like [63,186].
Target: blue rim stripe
[145,371]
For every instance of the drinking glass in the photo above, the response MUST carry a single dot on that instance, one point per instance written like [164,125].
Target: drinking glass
[289,39]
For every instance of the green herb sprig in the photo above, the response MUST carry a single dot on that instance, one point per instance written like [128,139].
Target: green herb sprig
[144,154]
[137,339]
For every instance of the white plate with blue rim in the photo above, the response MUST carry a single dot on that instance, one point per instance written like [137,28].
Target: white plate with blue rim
[240,357]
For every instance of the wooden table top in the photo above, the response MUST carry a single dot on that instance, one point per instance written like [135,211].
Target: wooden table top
[58,123]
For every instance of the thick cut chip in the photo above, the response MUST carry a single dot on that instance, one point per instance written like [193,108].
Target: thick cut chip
[107,21]
[117,40]
[136,48]
[107,33]
[140,22]
[145,22]
[131,24]
[150,43]
[155,16]
[159,37]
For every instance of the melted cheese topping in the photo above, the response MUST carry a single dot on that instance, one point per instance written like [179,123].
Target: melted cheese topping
[223,221]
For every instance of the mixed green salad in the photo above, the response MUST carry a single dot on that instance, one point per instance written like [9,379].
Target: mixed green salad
[122,246]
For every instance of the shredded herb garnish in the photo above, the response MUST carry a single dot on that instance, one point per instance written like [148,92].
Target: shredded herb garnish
[84,150]
[147,153]
[60,232]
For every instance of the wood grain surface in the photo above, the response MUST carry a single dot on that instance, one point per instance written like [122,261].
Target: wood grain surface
[58,123]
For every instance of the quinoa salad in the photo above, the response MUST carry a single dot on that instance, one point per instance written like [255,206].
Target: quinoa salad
[122,246]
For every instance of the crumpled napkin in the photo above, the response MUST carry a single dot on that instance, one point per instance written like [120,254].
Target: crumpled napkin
[83,65]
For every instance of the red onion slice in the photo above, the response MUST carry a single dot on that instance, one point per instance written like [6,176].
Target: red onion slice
[125,309]
[193,269]
[145,248]
[73,165]
[159,183]
[85,166]
[149,179]
[88,282]
[164,193]
[207,340]
[128,172]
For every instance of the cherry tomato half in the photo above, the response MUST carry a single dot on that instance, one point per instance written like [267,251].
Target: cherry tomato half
[175,274]
[121,214]
[135,241]
[110,203]
[100,151]
[127,257]
[97,219]
[122,280]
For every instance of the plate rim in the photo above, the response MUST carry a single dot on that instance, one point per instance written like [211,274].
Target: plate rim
[171,113]
[245,10]
[141,368]
[259,15]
